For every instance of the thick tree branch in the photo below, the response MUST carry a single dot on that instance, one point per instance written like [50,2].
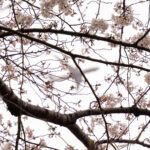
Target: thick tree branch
[16,106]
[126,110]
[79,134]
[14,103]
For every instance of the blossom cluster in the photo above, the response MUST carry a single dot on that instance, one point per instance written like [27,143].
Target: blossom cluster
[99,24]
[7,146]
[9,67]
[117,129]
[110,100]
[48,5]
[23,20]
[124,16]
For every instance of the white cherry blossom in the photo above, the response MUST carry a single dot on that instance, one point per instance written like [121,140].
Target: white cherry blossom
[98,24]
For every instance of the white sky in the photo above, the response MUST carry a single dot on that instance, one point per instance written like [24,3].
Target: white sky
[40,127]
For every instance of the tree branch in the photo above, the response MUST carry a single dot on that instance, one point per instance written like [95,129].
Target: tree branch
[76,55]
[124,141]
[87,35]
[126,110]
[14,103]
[66,120]
[78,34]
[79,134]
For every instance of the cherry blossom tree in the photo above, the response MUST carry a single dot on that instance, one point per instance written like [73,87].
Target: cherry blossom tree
[76,65]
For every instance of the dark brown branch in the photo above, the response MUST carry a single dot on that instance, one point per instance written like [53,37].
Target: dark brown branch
[80,56]
[66,120]
[79,134]
[78,34]
[126,110]
[86,35]
[14,103]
